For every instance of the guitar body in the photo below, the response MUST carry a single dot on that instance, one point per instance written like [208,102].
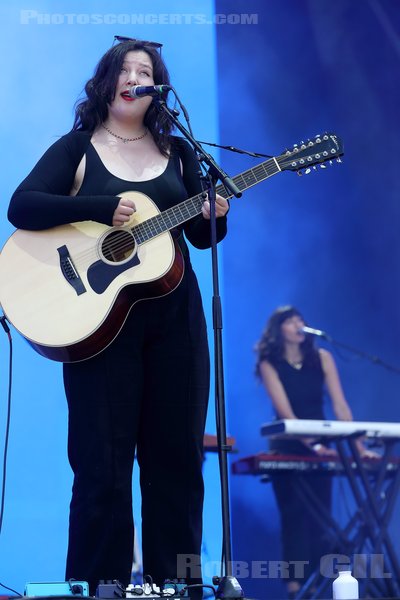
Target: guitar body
[69,289]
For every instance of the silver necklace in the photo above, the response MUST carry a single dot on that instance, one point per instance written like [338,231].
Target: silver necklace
[296,364]
[125,140]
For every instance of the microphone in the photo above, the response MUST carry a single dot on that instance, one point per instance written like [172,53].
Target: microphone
[137,91]
[312,331]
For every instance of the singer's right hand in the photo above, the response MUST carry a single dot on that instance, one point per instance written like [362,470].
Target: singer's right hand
[123,212]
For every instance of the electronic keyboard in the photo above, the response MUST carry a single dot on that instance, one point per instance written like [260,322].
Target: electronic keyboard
[308,427]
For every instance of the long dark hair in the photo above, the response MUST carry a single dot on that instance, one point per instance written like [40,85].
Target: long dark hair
[92,110]
[271,346]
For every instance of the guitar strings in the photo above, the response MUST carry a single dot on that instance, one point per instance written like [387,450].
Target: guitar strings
[146,230]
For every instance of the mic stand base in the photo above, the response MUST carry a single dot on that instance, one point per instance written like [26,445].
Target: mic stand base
[228,587]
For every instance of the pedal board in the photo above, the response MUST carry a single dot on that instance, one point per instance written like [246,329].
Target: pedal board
[107,590]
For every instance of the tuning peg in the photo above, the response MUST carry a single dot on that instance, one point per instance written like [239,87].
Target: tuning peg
[308,170]
[322,166]
[299,173]
[339,160]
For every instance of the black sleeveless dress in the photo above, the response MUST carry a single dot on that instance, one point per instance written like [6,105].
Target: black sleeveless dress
[147,392]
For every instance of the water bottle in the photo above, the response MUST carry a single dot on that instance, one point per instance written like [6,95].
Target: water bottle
[345,586]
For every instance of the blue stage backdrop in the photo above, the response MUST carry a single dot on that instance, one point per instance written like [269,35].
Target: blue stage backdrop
[260,75]
[327,242]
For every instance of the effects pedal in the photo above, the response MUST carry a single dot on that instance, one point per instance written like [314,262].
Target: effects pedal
[57,588]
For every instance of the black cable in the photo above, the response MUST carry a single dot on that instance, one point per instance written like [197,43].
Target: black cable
[238,150]
[4,478]
[6,328]
[147,579]
[182,107]
[10,589]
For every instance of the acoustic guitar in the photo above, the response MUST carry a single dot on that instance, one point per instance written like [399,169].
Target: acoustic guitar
[68,290]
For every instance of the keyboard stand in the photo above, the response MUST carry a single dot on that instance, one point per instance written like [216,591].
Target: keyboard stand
[375,500]
[366,534]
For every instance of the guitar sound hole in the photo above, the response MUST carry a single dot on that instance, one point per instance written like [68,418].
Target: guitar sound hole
[118,246]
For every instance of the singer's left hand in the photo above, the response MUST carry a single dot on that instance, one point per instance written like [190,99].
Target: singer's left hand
[221,207]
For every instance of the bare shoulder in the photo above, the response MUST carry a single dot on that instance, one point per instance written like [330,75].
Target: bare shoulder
[324,354]
[327,360]
[265,364]
[267,370]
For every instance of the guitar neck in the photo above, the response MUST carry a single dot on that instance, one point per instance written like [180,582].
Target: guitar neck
[305,155]
[180,213]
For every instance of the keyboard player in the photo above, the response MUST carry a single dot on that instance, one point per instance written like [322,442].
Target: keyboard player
[295,374]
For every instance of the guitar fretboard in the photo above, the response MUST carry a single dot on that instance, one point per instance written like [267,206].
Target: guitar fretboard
[182,212]
[251,177]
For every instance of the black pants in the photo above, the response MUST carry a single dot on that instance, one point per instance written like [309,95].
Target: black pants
[304,538]
[147,392]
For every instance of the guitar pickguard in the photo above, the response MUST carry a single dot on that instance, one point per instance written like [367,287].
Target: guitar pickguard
[101,274]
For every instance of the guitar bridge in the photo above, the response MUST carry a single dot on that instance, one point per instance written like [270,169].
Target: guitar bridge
[69,271]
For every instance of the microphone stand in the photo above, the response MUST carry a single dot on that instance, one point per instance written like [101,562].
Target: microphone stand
[374,359]
[228,586]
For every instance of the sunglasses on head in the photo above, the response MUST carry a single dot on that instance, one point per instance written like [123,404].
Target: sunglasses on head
[121,39]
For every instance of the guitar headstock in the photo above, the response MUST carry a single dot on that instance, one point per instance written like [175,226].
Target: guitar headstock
[314,152]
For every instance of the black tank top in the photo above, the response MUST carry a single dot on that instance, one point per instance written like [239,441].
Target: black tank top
[304,388]
[165,190]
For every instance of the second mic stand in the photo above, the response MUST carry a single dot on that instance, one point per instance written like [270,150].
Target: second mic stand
[228,586]
[360,353]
